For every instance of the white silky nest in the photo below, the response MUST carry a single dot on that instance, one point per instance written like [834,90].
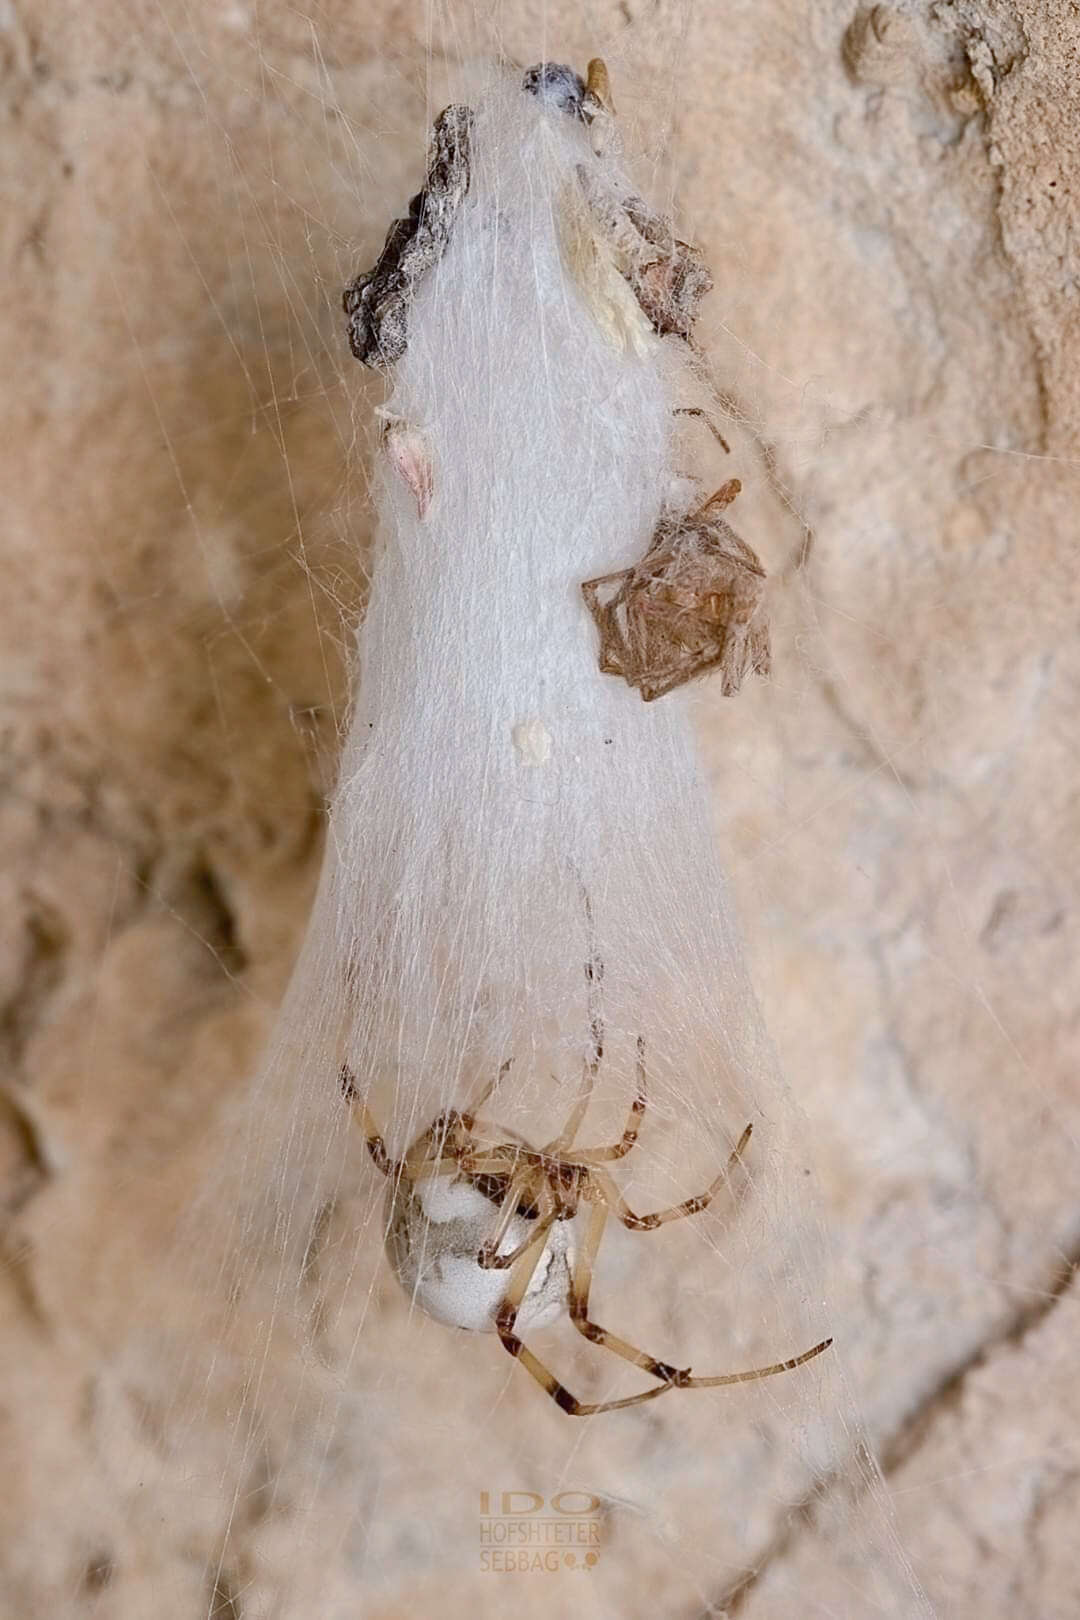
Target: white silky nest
[492,773]
[435,1229]
[522,892]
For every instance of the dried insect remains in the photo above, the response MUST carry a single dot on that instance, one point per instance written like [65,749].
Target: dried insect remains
[408,452]
[377,301]
[668,277]
[588,99]
[694,603]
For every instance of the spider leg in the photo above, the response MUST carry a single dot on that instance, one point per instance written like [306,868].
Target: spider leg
[516,1190]
[468,1118]
[423,1171]
[719,499]
[692,669]
[660,686]
[696,410]
[485,1134]
[417,1165]
[580,1284]
[755,1372]
[506,1320]
[489,1257]
[493,1159]
[604,616]
[590,587]
[372,1135]
[429,1168]
[689,1206]
[561,1143]
[604,1155]
[376,1145]
[594,973]
[674,1377]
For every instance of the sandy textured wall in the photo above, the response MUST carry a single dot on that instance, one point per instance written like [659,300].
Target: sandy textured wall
[887,195]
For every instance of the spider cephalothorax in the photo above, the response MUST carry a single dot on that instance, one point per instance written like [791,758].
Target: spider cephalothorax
[480,1230]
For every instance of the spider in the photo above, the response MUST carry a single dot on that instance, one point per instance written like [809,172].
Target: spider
[692,604]
[480,1223]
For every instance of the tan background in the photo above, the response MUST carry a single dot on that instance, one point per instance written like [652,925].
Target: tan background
[887,199]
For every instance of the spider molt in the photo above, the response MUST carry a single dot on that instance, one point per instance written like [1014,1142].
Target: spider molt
[480,1231]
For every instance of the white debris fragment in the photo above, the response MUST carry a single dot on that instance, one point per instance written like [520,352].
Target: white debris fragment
[533,742]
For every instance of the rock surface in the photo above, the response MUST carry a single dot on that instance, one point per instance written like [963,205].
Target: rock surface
[887,197]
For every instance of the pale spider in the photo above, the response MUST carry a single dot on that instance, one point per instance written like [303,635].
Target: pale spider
[472,1268]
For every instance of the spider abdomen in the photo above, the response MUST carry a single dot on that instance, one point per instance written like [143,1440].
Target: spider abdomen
[435,1229]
